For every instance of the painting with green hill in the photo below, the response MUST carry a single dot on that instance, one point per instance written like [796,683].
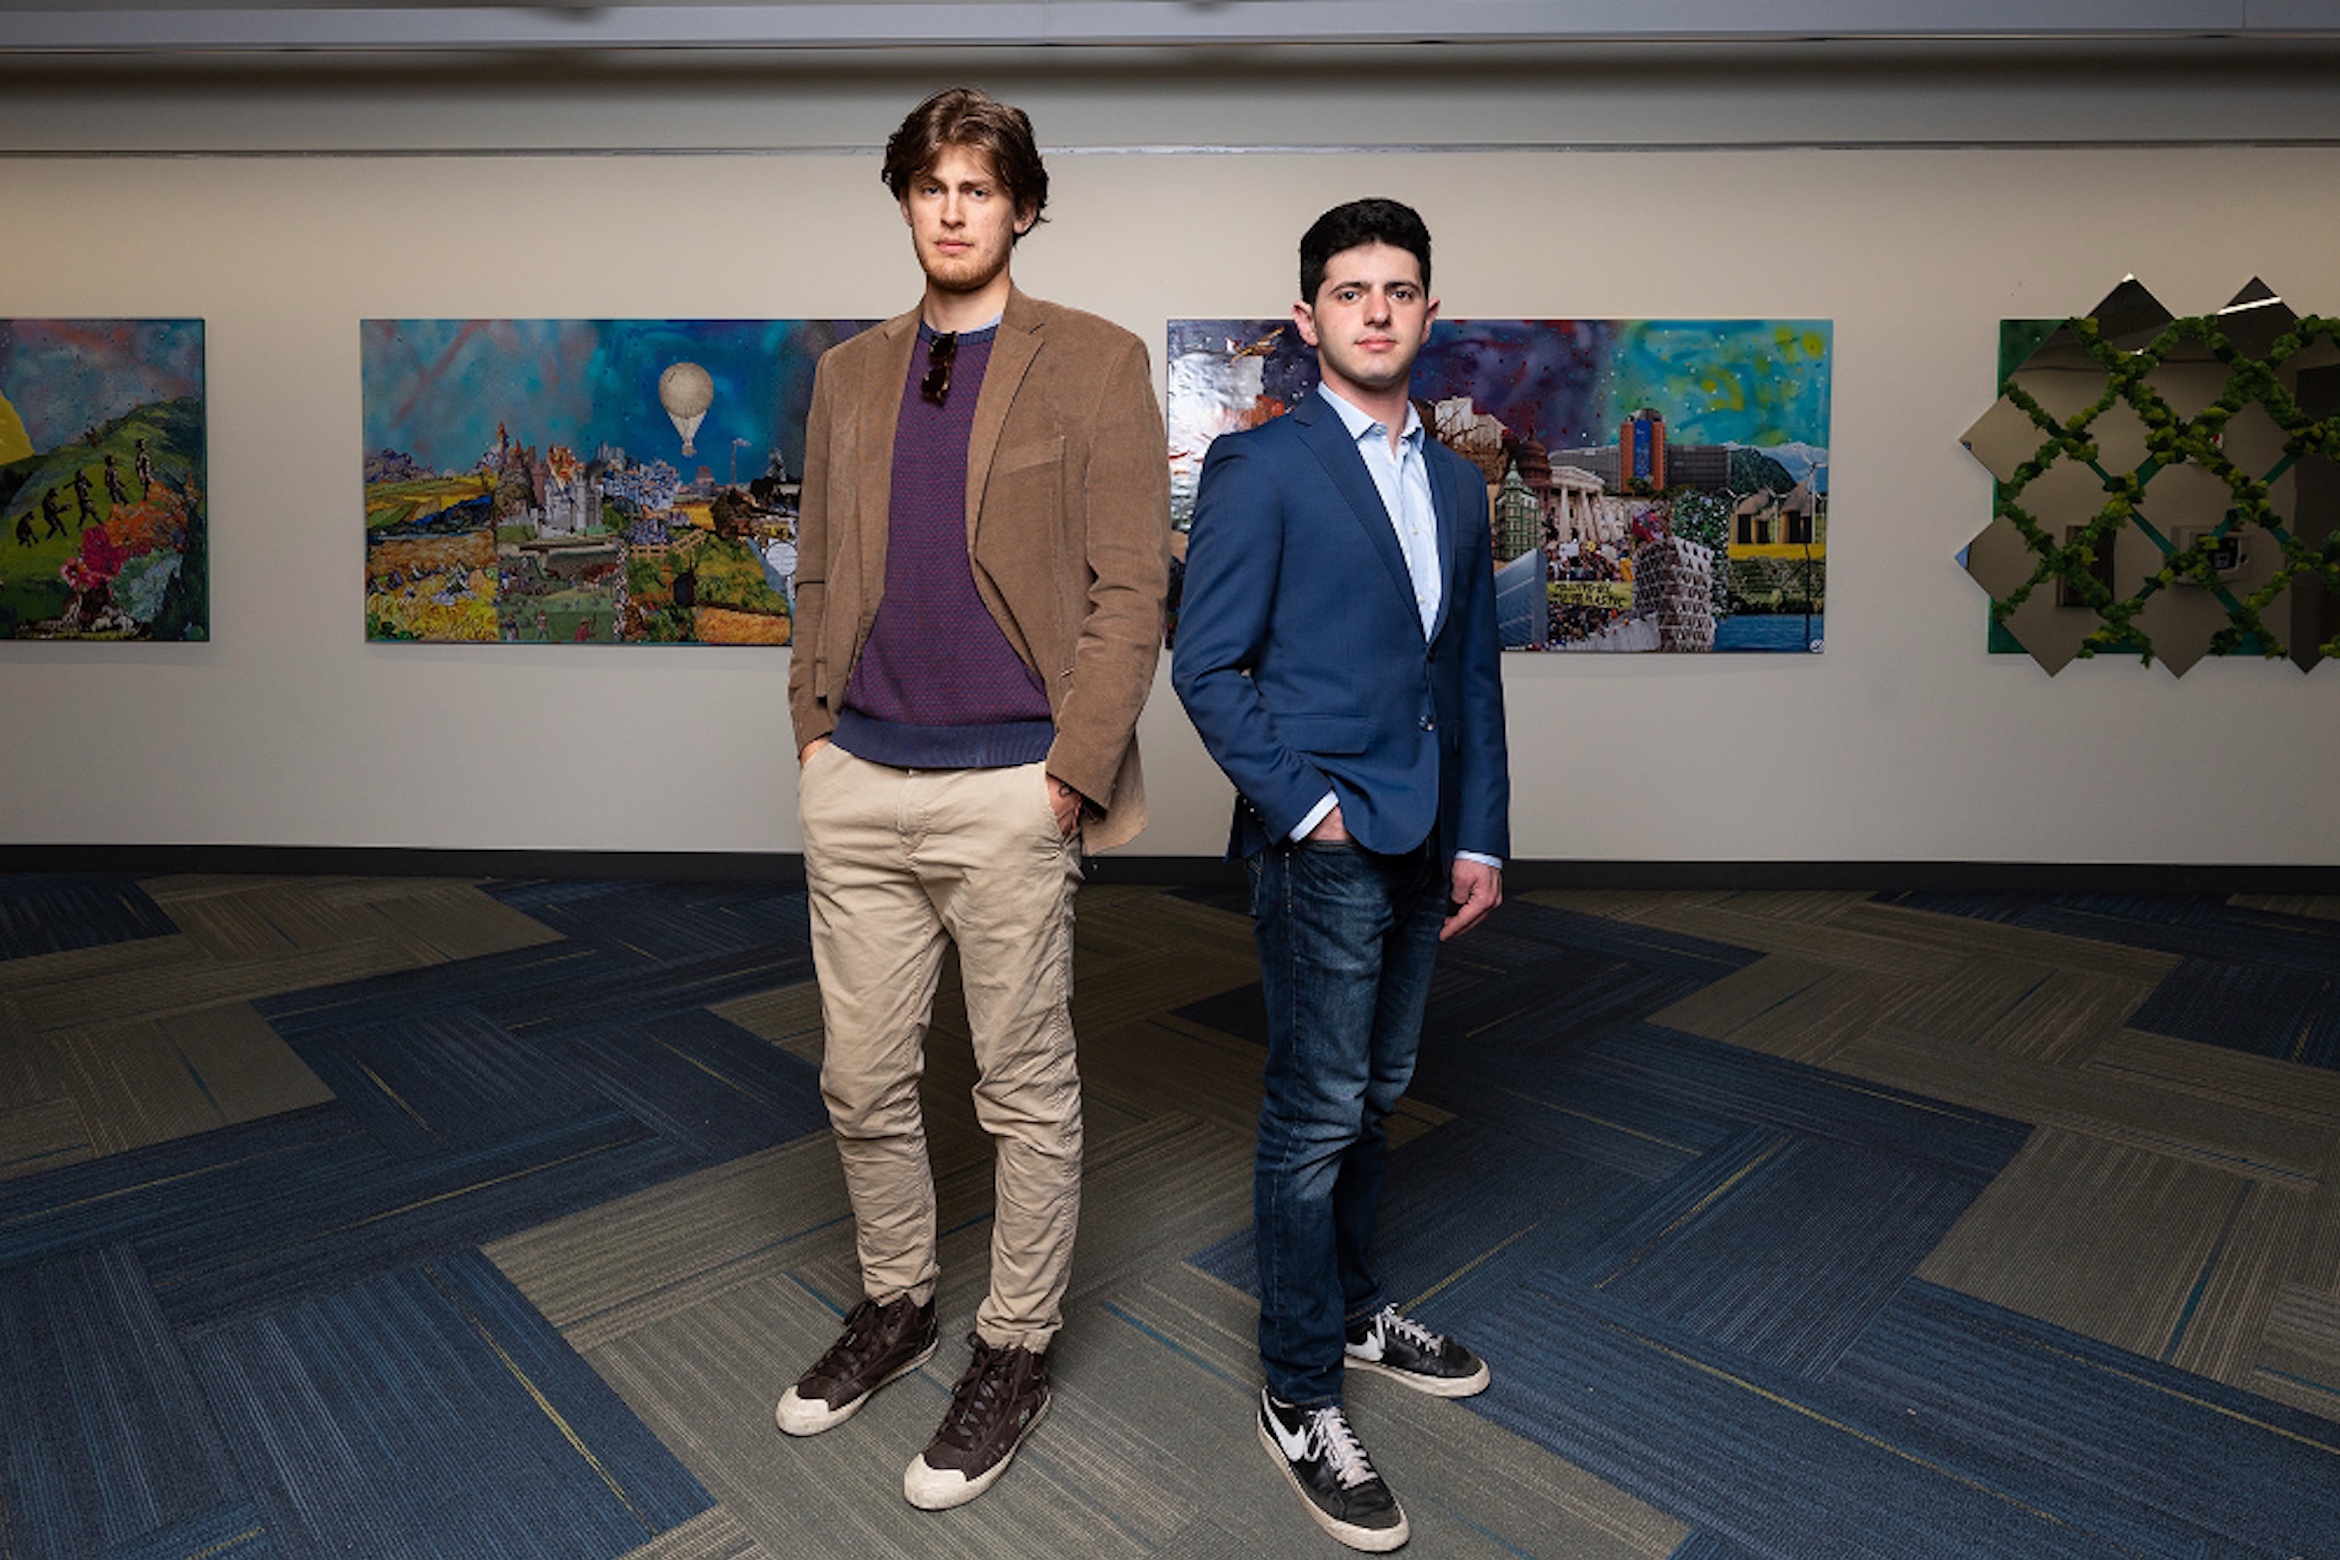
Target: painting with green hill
[102,448]
[585,481]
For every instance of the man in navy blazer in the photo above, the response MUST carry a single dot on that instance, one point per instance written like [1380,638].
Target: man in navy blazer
[1337,651]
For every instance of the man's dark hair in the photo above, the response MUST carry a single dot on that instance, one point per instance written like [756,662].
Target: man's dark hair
[971,118]
[1369,221]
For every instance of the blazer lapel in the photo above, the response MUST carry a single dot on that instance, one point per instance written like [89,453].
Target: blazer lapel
[1012,351]
[1327,438]
[881,414]
[1449,506]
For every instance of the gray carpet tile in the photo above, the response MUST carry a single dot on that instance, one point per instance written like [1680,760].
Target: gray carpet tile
[1786,1005]
[601,1274]
[2263,1083]
[2299,1354]
[2109,1240]
[1971,937]
[2222,1134]
[705,1381]
[42,1133]
[715,1534]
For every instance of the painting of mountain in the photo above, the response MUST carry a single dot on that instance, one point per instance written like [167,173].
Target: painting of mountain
[103,530]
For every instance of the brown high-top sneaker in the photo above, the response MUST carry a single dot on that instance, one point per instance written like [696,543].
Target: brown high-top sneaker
[880,1344]
[995,1405]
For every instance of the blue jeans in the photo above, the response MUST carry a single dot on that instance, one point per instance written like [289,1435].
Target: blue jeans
[1346,939]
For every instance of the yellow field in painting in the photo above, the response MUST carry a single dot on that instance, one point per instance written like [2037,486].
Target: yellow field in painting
[397,503]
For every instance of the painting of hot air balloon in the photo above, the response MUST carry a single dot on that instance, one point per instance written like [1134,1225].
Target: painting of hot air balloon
[686,391]
[538,481]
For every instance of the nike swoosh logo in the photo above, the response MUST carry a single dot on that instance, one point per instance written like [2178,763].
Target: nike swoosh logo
[1294,1447]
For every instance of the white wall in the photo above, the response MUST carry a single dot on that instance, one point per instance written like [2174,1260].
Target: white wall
[1903,742]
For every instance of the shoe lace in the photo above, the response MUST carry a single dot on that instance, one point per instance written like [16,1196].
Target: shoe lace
[859,1342]
[1333,1440]
[978,1396]
[1395,1321]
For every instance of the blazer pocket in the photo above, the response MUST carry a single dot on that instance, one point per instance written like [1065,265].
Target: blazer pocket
[1011,458]
[1325,733]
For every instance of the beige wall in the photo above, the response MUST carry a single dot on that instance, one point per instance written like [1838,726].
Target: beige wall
[1904,741]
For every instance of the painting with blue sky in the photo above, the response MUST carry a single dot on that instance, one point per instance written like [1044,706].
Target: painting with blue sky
[585,481]
[1654,484]
[103,533]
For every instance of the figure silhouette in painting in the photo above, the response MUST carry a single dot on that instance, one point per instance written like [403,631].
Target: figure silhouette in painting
[87,511]
[115,492]
[53,512]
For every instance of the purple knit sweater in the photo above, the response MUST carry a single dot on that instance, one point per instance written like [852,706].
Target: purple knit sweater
[937,685]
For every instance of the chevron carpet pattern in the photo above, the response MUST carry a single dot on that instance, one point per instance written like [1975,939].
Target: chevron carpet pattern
[419,1218]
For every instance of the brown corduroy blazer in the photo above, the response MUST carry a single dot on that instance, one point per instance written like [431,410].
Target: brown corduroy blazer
[1068,529]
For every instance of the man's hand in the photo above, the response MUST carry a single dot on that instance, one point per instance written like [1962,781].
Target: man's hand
[804,754]
[1329,829]
[1477,889]
[1067,803]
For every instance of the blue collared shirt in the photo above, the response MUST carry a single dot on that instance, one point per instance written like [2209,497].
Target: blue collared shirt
[1402,477]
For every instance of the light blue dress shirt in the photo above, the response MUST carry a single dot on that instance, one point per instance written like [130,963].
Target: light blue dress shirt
[1402,477]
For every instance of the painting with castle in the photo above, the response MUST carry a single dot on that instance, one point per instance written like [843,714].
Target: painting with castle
[102,458]
[1654,484]
[585,481]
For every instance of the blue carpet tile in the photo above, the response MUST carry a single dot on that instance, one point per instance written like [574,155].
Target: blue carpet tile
[104,1434]
[308,1226]
[233,1532]
[1708,1546]
[119,1196]
[2251,980]
[279,1339]
[2259,1008]
[433,1408]
[54,913]
[703,1083]
[2102,1438]
[665,922]
[1785,1468]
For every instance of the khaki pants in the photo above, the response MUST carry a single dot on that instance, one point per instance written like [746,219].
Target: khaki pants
[896,861]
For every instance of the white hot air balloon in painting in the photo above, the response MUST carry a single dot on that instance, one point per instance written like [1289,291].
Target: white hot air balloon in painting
[686,391]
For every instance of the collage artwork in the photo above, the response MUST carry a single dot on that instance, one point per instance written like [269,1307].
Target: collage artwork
[1654,484]
[585,481]
[102,454]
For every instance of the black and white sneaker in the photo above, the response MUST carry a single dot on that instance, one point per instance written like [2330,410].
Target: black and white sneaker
[1320,1454]
[1403,1349]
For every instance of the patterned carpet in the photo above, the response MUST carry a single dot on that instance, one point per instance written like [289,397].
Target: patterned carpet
[419,1218]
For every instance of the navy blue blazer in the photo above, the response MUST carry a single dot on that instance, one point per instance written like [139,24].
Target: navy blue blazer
[1300,654]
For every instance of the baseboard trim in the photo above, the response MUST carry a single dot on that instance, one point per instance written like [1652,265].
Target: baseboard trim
[787,867]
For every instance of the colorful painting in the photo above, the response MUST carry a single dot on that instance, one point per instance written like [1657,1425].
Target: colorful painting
[586,481]
[1655,484]
[102,449]
[2160,485]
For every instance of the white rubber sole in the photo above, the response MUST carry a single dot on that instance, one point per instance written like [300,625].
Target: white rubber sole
[1436,1386]
[939,1489]
[1373,1541]
[810,1416]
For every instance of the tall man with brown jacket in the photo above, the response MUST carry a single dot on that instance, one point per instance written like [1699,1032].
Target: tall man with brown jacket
[983,555]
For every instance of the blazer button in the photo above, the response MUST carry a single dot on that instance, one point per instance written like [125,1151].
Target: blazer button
[1429,724]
